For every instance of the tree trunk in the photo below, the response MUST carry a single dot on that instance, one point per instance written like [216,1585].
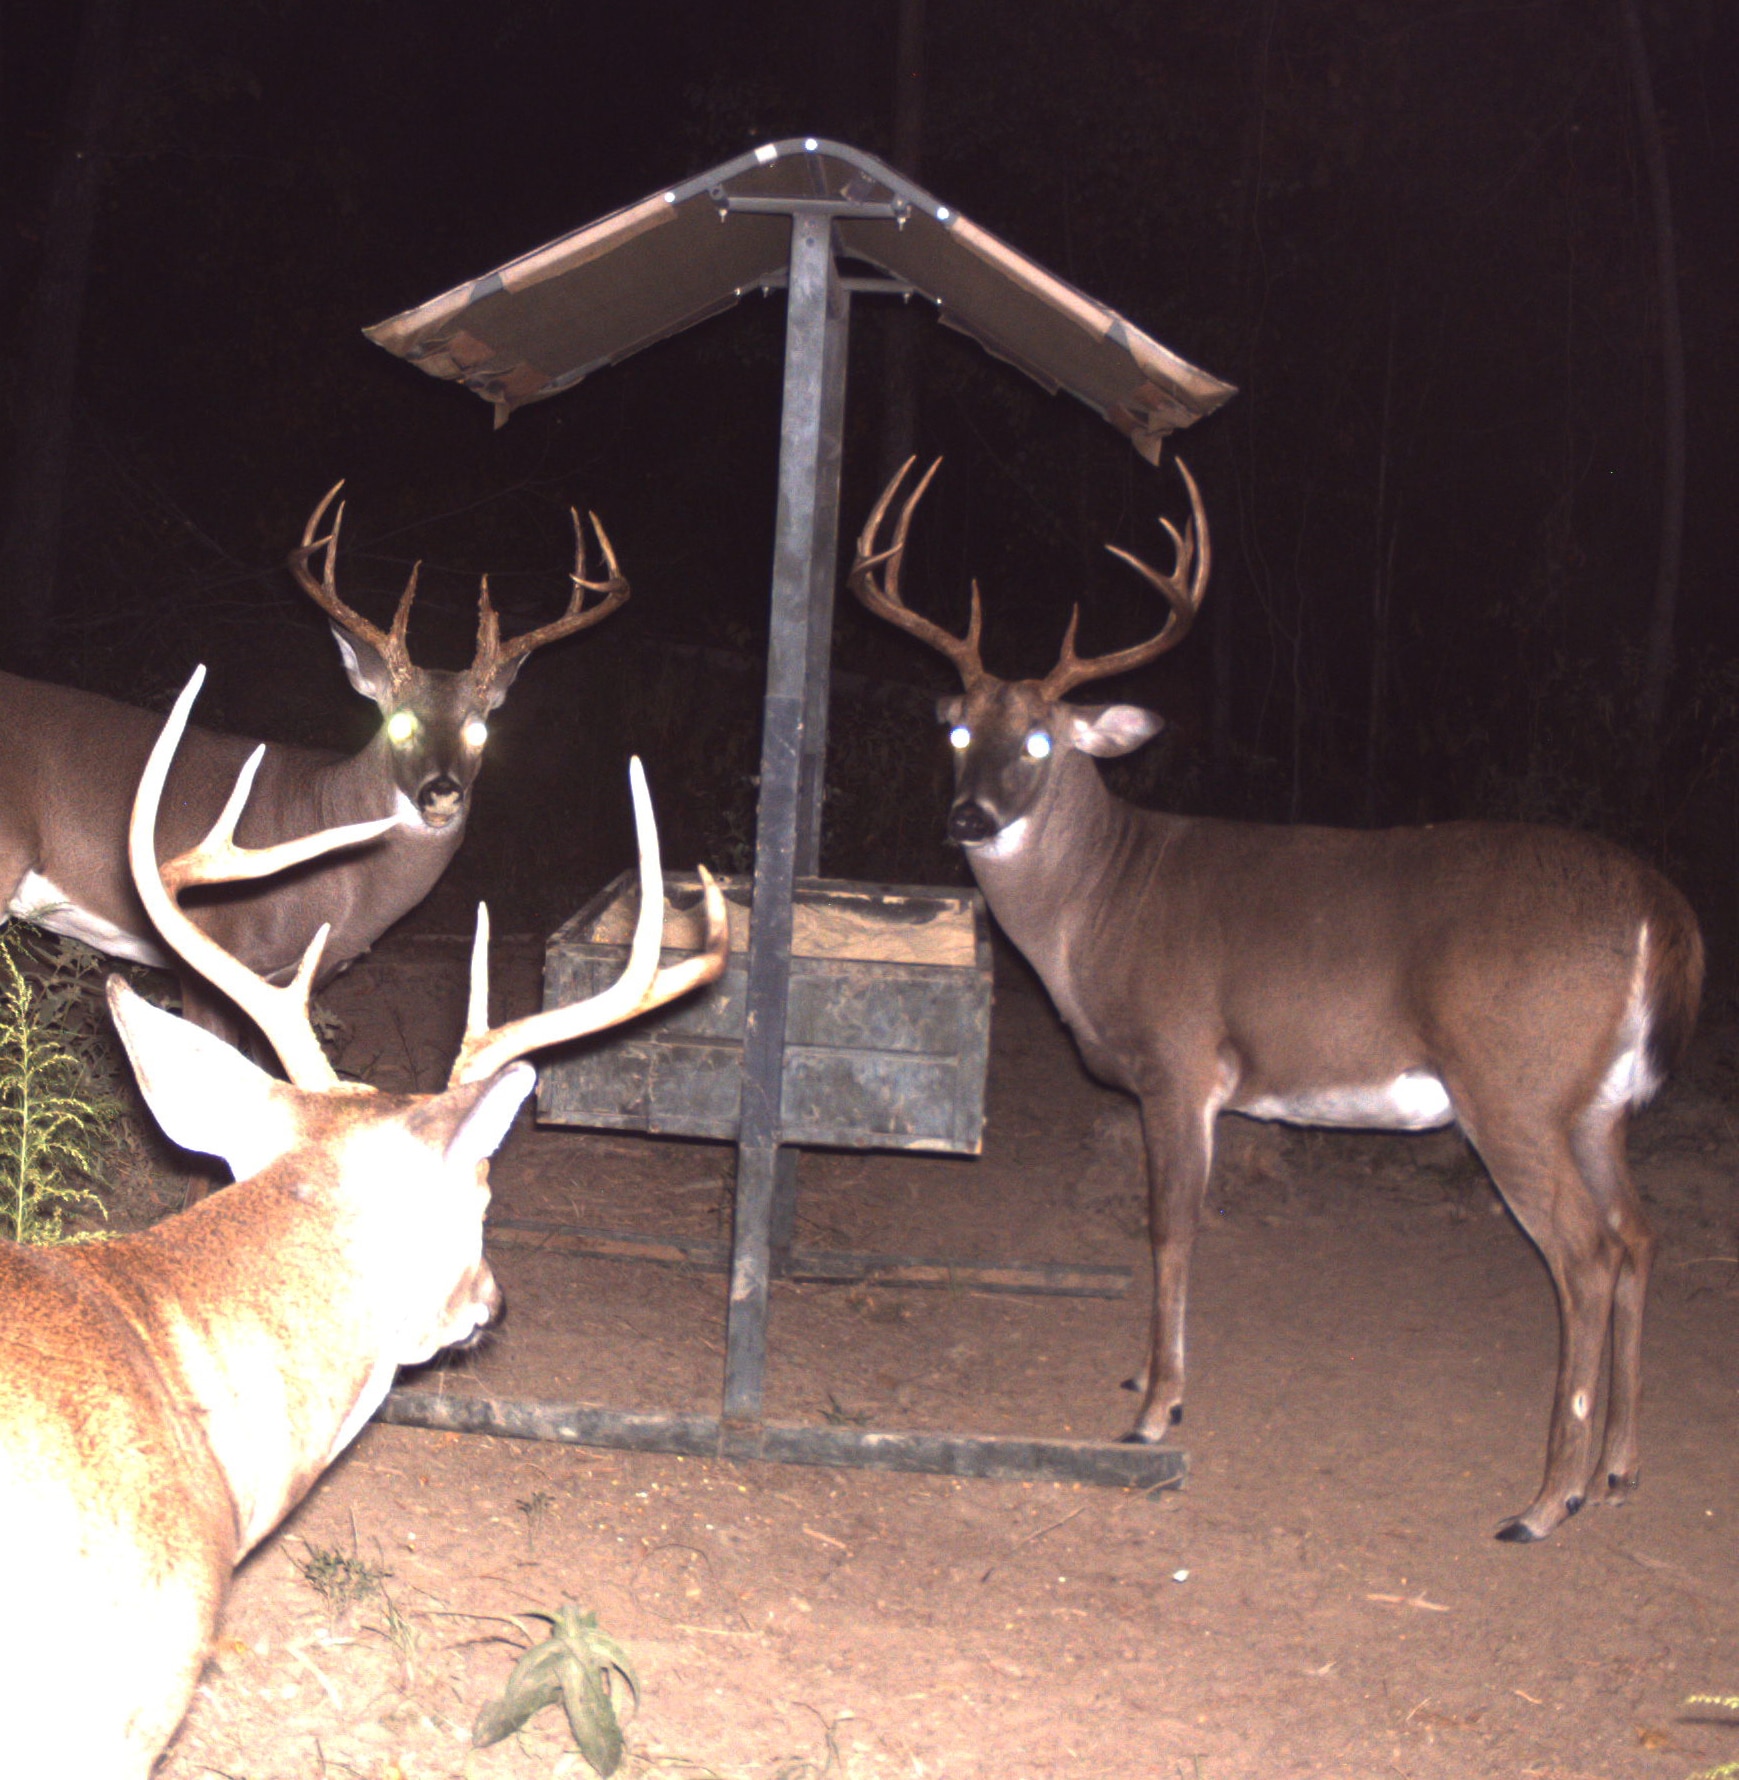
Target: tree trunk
[1382,583]
[48,370]
[1658,654]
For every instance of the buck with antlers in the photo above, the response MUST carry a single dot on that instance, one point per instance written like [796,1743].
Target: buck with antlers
[1530,985]
[166,1398]
[69,760]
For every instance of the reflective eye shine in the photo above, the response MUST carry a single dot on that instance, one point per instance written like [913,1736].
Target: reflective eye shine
[1038,745]
[476,733]
[960,736]
[401,726]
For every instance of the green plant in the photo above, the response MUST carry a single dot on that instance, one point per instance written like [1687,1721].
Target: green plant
[54,1113]
[339,1577]
[535,1508]
[578,1665]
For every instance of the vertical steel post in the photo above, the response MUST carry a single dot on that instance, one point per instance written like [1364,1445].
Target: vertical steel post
[808,506]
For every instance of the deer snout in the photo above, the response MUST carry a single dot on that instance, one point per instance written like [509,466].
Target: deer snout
[440,799]
[486,1303]
[970,823]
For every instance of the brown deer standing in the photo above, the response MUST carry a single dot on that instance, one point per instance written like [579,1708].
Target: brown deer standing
[167,1397]
[69,761]
[1530,985]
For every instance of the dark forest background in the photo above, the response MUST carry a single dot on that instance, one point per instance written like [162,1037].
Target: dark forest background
[1480,377]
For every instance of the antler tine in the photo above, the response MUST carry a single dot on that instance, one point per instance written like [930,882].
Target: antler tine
[493,655]
[391,644]
[280,1013]
[883,596]
[641,986]
[1182,588]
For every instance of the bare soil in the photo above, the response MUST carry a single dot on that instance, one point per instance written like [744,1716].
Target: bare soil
[1372,1343]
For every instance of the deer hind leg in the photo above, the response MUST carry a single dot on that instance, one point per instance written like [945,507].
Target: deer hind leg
[1179,1141]
[1598,1138]
[1537,1171]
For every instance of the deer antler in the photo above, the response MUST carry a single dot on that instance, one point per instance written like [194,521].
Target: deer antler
[883,597]
[641,986]
[393,648]
[493,655]
[280,1013]
[1183,589]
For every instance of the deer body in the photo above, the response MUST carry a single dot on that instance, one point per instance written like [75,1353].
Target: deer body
[167,1397]
[82,754]
[1530,985]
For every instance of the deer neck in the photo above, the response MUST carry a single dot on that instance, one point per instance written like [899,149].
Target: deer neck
[1043,880]
[265,1341]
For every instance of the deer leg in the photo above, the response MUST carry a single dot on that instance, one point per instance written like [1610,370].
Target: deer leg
[1179,1138]
[1598,1138]
[1537,1173]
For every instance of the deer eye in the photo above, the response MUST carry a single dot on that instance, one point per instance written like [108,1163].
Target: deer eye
[1038,745]
[400,727]
[959,737]
[475,733]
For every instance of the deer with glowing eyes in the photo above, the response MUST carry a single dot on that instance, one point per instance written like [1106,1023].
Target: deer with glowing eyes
[69,761]
[167,1397]
[1529,985]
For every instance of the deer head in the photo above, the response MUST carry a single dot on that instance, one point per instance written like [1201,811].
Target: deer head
[1011,737]
[419,1158]
[437,720]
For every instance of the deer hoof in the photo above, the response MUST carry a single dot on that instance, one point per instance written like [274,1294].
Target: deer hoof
[1518,1532]
[1135,1437]
[1132,1384]
[1176,1414]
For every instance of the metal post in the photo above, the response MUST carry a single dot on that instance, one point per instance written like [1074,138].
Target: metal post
[805,455]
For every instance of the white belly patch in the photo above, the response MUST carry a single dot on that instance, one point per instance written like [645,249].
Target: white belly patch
[1415,1100]
[44,903]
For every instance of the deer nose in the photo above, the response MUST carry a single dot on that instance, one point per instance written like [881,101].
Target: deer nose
[970,823]
[440,796]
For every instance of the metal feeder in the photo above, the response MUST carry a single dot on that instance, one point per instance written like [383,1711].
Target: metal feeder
[786,215]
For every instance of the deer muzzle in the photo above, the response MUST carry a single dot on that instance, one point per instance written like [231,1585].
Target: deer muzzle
[441,800]
[970,823]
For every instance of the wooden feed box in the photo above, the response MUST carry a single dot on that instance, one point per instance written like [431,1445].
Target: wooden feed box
[887,1037]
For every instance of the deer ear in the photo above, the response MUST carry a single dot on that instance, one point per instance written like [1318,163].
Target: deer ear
[206,1095]
[467,1124]
[1110,730]
[364,665]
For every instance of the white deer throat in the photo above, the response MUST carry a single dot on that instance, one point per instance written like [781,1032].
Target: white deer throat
[1005,843]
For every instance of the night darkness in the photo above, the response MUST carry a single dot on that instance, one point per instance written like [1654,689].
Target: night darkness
[1419,238]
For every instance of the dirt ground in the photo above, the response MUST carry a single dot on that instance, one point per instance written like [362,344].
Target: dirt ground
[1372,1349]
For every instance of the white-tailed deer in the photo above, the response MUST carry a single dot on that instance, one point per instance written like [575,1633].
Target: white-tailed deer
[1530,985]
[69,761]
[167,1397]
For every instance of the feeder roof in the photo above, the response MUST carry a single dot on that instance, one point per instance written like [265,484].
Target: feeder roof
[542,322]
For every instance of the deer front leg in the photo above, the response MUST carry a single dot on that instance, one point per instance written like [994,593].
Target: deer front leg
[1178,1129]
